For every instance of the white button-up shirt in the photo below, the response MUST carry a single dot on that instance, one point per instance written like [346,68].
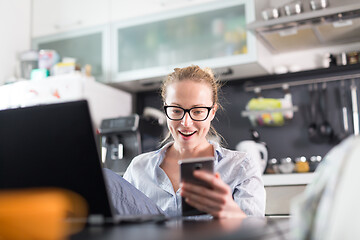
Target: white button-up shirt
[235,168]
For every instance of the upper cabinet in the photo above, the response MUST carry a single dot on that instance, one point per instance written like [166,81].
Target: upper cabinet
[137,8]
[51,17]
[211,34]
[337,24]
[87,46]
[134,45]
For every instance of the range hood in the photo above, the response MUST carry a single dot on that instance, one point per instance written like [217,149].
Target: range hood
[326,27]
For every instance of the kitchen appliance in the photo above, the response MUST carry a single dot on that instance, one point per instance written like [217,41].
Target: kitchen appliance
[123,138]
[337,24]
[257,151]
[120,142]
[28,62]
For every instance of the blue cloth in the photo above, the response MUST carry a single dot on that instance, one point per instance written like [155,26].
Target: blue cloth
[235,168]
[126,199]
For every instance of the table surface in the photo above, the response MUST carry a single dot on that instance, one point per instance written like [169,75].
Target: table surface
[179,229]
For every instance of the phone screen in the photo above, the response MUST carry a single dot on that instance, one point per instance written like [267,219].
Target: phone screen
[187,167]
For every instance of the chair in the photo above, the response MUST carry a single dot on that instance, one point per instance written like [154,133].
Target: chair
[329,207]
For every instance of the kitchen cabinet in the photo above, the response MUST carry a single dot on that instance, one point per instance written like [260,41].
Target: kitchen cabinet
[138,8]
[52,17]
[281,189]
[213,34]
[87,46]
[135,53]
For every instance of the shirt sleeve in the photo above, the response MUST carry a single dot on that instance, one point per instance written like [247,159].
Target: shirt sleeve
[249,192]
[126,199]
[127,175]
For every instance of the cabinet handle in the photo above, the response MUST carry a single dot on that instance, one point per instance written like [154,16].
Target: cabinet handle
[65,26]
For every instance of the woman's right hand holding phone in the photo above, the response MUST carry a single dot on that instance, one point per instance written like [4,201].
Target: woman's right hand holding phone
[216,200]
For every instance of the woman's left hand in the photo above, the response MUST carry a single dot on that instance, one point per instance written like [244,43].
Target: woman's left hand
[216,201]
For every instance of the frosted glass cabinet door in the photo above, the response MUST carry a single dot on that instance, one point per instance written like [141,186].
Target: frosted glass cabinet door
[87,46]
[152,45]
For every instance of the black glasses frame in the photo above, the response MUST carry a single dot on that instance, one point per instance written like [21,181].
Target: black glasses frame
[187,111]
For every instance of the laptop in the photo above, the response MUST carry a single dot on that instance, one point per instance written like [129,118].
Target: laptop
[54,146]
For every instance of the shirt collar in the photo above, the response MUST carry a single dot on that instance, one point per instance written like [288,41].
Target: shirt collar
[218,153]
[162,152]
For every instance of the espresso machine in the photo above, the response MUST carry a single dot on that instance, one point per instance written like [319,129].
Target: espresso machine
[120,142]
[123,138]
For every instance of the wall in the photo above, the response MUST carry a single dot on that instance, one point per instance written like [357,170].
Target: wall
[292,139]
[15,35]
[311,58]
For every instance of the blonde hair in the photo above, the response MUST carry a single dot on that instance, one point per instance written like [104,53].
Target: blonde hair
[196,74]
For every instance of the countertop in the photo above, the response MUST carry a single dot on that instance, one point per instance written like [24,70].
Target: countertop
[288,179]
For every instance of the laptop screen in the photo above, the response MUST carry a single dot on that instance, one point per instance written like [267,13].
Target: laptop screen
[52,146]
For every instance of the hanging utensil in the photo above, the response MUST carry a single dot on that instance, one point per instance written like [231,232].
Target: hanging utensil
[313,127]
[354,107]
[325,128]
[342,105]
[344,108]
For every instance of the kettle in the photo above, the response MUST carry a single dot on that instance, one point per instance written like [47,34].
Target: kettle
[257,151]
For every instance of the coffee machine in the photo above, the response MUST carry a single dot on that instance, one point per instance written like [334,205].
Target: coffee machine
[120,142]
[123,138]
[28,62]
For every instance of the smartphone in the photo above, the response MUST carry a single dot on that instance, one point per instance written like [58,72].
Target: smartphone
[187,167]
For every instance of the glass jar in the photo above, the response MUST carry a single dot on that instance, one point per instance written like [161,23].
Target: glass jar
[301,165]
[272,166]
[286,165]
[353,57]
[314,162]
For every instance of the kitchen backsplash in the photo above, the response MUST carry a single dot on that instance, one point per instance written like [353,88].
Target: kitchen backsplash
[292,138]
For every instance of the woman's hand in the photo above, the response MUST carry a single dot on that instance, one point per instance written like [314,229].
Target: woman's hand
[216,201]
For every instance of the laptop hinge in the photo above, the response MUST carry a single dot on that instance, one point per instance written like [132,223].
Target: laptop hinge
[96,219]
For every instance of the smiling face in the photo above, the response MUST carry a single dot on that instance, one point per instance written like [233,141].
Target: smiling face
[189,134]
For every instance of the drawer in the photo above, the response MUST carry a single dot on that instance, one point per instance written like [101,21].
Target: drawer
[278,198]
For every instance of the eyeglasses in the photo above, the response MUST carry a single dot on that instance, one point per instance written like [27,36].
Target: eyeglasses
[196,113]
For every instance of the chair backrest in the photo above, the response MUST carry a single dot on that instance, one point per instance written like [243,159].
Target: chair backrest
[329,206]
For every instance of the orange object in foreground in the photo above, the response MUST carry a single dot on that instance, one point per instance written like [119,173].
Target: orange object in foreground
[40,214]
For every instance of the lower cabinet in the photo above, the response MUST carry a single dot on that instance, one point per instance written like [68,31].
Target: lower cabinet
[279,198]
[282,189]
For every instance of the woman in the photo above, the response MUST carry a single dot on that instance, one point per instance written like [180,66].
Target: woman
[190,97]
